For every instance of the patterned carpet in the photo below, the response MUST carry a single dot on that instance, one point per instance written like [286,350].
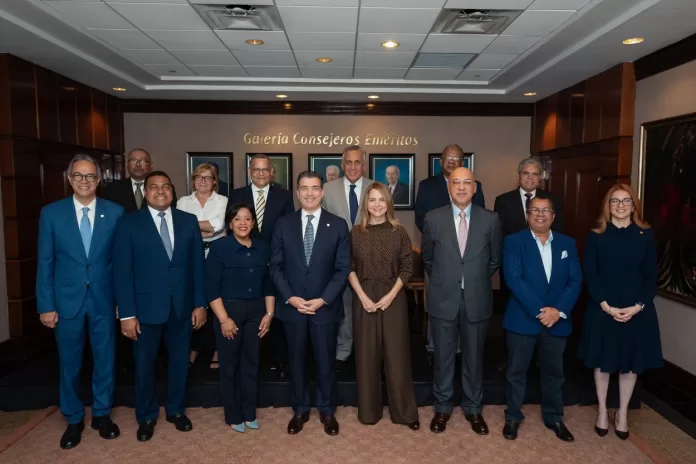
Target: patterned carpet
[212,442]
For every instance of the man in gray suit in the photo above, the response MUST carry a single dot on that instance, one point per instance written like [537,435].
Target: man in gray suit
[342,197]
[462,249]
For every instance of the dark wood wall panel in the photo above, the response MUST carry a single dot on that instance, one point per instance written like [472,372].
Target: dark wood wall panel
[114,124]
[5,110]
[18,157]
[21,237]
[85,133]
[22,99]
[47,104]
[563,118]
[593,109]
[21,197]
[21,278]
[99,120]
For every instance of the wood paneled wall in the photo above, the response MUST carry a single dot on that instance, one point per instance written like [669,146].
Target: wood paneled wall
[45,119]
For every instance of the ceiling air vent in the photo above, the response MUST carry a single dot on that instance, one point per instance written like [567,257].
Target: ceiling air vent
[240,17]
[474,21]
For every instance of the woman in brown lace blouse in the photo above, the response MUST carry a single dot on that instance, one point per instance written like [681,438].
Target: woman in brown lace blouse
[381,264]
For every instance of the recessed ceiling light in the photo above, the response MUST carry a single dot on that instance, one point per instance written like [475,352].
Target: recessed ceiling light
[390,44]
[68,88]
[373,97]
[370,106]
[119,89]
[280,95]
[530,94]
[324,60]
[254,41]
[633,41]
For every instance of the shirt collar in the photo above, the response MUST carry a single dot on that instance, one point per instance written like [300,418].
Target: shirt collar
[536,238]
[523,193]
[358,183]
[238,246]
[155,213]
[316,214]
[265,190]
[79,206]
[467,211]
[133,181]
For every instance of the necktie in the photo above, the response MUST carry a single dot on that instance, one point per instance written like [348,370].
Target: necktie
[463,232]
[260,207]
[164,233]
[353,203]
[309,238]
[138,194]
[85,230]
[526,202]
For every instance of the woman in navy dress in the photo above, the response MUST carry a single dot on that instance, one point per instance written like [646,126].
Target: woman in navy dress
[240,293]
[620,332]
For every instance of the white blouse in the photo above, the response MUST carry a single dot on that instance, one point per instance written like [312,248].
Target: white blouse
[213,211]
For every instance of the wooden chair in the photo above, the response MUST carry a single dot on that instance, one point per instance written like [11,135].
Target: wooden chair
[417,284]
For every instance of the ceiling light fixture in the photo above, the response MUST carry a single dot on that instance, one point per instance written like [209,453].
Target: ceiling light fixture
[530,94]
[633,41]
[324,60]
[370,106]
[68,88]
[254,41]
[390,44]
[280,95]
[373,97]
[119,89]
[288,106]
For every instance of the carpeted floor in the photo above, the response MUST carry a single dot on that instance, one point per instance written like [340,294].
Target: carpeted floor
[212,441]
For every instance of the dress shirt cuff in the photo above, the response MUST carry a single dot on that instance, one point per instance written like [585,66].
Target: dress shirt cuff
[216,224]
[563,315]
[126,318]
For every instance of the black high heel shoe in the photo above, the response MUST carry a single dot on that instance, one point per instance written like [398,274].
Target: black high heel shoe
[601,432]
[619,433]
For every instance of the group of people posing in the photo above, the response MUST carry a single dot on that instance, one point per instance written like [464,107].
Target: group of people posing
[334,272]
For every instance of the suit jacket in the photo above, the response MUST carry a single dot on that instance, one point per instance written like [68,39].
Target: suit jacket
[147,283]
[64,272]
[433,193]
[526,279]
[445,266]
[335,200]
[278,204]
[121,193]
[400,195]
[324,277]
[513,216]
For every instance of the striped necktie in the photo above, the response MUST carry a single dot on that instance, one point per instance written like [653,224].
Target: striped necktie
[260,208]
[138,194]
[309,238]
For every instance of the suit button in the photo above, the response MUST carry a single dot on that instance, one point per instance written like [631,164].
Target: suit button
[248,254]
[86,284]
[88,266]
[249,290]
[251,270]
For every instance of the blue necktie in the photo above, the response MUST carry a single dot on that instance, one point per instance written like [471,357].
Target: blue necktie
[353,203]
[164,233]
[85,230]
[309,238]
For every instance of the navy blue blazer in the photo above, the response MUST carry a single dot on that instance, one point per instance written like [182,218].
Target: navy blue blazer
[433,194]
[328,269]
[278,204]
[147,283]
[525,277]
[64,272]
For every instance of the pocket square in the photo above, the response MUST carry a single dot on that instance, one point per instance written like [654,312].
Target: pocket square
[564,254]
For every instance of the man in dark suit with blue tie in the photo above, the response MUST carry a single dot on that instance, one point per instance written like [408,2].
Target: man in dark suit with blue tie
[158,274]
[310,263]
[74,292]
[543,274]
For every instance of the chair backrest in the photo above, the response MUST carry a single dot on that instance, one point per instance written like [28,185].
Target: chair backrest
[418,269]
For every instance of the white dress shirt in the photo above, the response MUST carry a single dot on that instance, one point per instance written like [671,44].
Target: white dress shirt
[255,193]
[546,251]
[358,189]
[167,220]
[213,211]
[524,199]
[315,221]
[90,214]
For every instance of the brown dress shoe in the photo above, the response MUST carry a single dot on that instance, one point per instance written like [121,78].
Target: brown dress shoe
[478,425]
[439,422]
[297,423]
[414,425]
[330,424]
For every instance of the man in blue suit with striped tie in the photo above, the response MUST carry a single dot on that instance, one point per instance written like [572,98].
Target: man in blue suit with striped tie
[158,272]
[74,291]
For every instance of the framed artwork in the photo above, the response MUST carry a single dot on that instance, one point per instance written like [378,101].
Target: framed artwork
[221,161]
[328,165]
[281,169]
[668,191]
[118,167]
[397,172]
[434,167]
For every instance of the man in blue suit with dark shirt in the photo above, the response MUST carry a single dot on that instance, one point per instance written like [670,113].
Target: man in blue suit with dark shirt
[74,292]
[310,263]
[158,272]
[543,274]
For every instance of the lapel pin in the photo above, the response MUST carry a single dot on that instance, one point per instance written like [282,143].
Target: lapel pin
[641,232]
[101,215]
[329,225]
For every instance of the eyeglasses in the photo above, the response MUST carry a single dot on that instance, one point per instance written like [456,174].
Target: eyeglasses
[198,177]
[462,181]
[260,170]
[78,176]
[530,174]
[540,212]
[353,163]
[617,202]
[456,159]
[139,162]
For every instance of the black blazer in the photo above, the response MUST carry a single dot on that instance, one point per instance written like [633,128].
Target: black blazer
[511,212]
[400,195]
[121,193]
[433,194]
[278,204]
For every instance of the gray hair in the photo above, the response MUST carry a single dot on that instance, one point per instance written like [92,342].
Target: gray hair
[398,171]
[259,156]
[334,167]
[526,161]
[83,157]
[354,148]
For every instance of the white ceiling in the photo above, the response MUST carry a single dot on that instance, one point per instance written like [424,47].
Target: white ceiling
[164,49]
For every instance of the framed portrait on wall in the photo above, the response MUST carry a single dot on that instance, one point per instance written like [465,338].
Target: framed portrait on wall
[328,165]
[398,174]
[667,190]
[281,169]
[221,161]
[434,167]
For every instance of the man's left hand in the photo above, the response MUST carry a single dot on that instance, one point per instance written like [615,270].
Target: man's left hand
[198,318]
[313,305]
[549,316]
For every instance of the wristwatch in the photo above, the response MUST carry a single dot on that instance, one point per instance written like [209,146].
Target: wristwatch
[641,304]
[270,314]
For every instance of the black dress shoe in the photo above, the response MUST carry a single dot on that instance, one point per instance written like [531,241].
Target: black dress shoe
[619,433]
[108,430]
[414,425]
[510,429]
[439,422]
[72,435]
[146,429]
[330,424]
[561,431]
[181,422]
[297,423]
[478,425]
[600,431]
[430,358]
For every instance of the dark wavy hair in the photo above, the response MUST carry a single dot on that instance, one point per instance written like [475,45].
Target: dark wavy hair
[232,213]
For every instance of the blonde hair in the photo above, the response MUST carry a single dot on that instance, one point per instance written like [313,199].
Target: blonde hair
[365,214]
[200,168]
[605,216]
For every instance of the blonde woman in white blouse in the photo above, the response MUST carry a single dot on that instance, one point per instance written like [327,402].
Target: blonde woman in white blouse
[209,207]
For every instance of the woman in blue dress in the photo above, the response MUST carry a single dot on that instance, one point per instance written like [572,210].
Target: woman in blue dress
[620,332]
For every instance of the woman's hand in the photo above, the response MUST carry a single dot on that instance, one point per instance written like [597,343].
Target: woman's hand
[384,303]
[265,325]
[368,304]
[625,314]
[229,328]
